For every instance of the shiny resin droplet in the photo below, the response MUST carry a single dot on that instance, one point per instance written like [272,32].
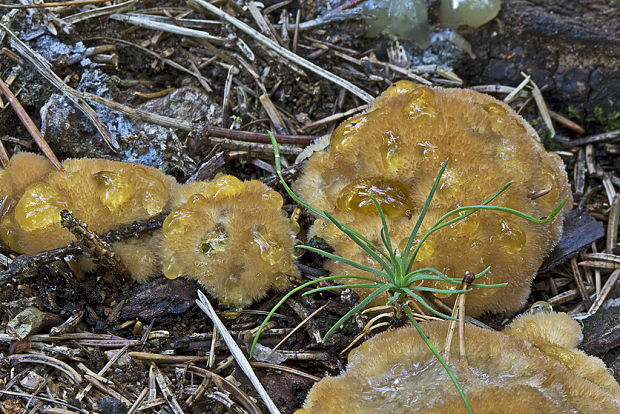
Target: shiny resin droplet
[178,221]
[215,242]
[347,132]
[112,188]
[39,207]
[391,195]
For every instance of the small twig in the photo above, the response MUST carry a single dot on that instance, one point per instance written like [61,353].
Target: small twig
[145,21]
[46,360]
[170,398]
[607,287]
[100,11]
[593,139]
[30,126]
[92,242]
[53,4]
[204,304]
[285,53]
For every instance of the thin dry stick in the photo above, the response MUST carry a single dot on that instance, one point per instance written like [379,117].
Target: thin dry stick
[298,327]
[612,224]
[56,4]
[100,11]
[611,282]
[138,401]
[4,160]
[204,304]
[30,126]
[285,53]
[579,282]
[144,21]
[170,398]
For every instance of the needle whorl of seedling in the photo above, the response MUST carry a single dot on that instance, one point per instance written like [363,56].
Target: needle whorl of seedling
[394,272]
[392,153]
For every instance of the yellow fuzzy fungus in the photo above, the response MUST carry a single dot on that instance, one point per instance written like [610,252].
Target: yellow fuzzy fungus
[393,153]
[232,237]
[395,372]
[102,193]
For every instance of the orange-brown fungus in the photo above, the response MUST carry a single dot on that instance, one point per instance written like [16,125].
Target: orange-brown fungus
[395,372]
[394,152]
[232,237]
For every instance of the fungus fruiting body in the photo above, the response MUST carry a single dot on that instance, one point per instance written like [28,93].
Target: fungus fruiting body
[229,235]
[395,372]
[224,216]
[102,193]
[393,152]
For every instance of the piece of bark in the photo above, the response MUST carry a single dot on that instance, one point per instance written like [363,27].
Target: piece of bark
[580,230]
[158,298]
[573,47]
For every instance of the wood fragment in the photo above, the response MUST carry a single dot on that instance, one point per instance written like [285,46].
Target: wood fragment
[594,139]
[515,92]
[542,107]
[573,126]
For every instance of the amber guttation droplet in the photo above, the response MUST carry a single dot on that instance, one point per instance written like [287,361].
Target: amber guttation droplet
[345,134]
[509,236]
[541,307]
[39,207]
[273,199]
[226,186]
[196,201]
[391,150]
[112,188]
[420,104]
[152,190]
[215,242]
[270,250]
[392,196]
[178,221]
[172,269]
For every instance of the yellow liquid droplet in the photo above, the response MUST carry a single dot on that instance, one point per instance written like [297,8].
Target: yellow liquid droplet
[39,207]
[226,186]
[345,134]
[112,188]
[270,250]
[392,196]
[196,201]
[391,153]
[509,236]
[178,221]
[420,104]
[215,242]
[152,191]
[273,199]
[541,307]
[172,269]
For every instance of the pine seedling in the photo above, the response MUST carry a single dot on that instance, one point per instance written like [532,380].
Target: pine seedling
[394,272]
